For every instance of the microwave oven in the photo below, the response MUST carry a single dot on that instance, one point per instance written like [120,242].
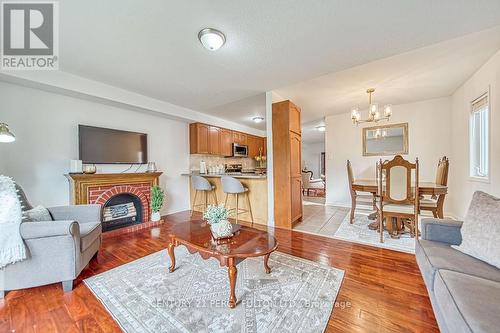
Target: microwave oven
[240,150]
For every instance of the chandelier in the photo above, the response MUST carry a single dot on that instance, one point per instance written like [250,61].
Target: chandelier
[374,114]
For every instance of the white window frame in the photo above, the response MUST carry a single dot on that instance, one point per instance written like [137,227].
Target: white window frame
[472,177]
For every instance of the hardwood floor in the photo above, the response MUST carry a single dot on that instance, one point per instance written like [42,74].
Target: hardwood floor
[382,290]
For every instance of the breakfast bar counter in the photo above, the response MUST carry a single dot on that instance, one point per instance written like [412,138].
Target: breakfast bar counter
[242,175]
[257,192]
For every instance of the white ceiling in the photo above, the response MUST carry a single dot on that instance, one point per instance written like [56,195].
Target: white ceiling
[425,73]
[151,47]
[310,133]
[243,110]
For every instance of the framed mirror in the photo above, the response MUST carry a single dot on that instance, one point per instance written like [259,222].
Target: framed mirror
[385,140]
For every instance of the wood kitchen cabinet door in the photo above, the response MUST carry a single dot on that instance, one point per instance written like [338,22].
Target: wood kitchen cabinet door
[214,140]
[226,142]
[240,138]
[294,119]
[296,198]
[287,146]
[295,155]
[198,138]
[236,137]
[261,145]
[254,143]
[243,139]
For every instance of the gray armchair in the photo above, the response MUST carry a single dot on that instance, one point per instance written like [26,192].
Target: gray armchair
[58,250]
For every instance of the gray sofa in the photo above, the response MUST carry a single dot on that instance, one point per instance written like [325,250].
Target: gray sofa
[464,291]
[57,250]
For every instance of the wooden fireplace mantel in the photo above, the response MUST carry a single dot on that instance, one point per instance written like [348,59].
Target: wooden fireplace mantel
[80,182]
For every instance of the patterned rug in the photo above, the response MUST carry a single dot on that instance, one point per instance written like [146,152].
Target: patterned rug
[142,296]
[358,232]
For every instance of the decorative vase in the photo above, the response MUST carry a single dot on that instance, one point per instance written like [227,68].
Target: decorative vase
[89,169]
[222,229]
[151,167]
[155,216]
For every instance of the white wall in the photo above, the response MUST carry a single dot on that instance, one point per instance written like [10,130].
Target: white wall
[45,125]
[311,156]
[429,139]
[461,187]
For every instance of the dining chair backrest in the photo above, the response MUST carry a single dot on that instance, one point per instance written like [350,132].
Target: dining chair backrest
[200,183]
[350,177]
[442,171]
[398,179]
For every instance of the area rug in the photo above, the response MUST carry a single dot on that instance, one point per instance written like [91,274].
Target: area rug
[142,296]
[358,232]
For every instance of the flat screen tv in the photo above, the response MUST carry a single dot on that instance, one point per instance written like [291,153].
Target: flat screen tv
[109,146]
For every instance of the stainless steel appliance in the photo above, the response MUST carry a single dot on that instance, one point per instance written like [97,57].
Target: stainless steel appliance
[240,150]
[233,168]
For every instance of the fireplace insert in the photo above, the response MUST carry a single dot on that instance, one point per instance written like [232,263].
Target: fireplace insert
[122,210]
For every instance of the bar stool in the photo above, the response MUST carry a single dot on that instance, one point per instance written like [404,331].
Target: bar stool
[231,185]
[201,184]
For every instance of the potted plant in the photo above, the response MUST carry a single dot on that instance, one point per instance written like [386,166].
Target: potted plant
[217,216]
[157,196]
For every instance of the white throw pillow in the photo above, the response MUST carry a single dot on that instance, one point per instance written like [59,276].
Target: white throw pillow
[37,214]
[10,208]
[481,229]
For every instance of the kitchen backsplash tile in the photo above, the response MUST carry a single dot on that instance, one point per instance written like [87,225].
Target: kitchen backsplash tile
[211,160]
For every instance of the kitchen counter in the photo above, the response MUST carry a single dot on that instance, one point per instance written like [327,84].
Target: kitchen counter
[232,174]
[257,195]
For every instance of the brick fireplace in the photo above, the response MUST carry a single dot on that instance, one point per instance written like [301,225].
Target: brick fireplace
[124,197]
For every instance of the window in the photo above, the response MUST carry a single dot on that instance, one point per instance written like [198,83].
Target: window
[479,139]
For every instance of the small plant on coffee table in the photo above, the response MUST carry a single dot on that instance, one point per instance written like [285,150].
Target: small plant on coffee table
[215,214]
[217,218]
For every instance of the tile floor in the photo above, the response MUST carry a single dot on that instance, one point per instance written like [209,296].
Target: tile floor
[320,219]
[327,221]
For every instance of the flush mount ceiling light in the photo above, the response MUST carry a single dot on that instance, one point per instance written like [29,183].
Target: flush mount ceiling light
[6,135]
[258,119]
[374,114]
[321,128]
[211,39]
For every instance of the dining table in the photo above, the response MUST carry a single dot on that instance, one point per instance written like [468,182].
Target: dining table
[424,188]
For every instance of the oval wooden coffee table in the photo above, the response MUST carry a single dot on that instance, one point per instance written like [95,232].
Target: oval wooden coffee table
[247,242]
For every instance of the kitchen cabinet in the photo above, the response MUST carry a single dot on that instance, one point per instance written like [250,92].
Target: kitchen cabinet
[239,138]
[295,155]
[226,142]
[198,138]
[214,140]
[255,145]
[294,119]
[287,147]
[296,198]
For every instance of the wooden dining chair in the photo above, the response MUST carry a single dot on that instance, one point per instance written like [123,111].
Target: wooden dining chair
[398,192]
[357,196]
[436,204]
